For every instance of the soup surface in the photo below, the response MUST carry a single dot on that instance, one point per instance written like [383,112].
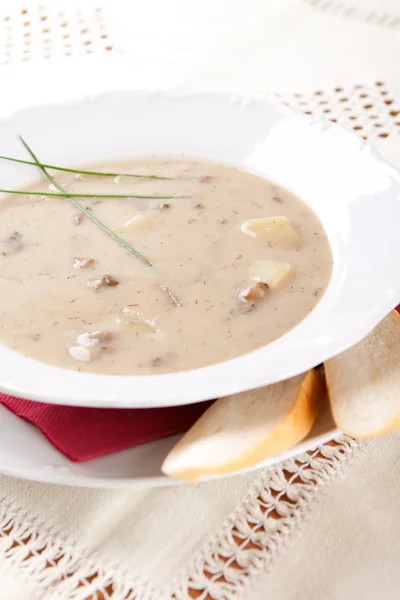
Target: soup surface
[237,262]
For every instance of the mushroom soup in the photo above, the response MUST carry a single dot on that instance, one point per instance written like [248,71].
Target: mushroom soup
[237,261]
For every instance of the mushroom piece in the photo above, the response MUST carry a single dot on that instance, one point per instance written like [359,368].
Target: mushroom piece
[83,263]
[84,354]
[104,281]
[205,178]
[254,292]
[90,344]
[94,338]
[249,298]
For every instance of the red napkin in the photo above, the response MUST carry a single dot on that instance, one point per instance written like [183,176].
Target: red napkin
[85,433]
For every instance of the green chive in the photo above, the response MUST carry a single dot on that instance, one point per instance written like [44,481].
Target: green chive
[81,172]
[86,212]
[64,195]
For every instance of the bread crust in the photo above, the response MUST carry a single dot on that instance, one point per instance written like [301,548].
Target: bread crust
[295,425]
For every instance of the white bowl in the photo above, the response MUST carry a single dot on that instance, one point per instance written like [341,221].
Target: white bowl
[354,192]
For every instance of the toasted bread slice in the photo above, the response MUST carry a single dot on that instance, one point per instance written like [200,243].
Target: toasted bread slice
[242,430]
[364,382]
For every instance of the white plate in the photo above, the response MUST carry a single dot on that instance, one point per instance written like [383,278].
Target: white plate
[354,192]
[25,453]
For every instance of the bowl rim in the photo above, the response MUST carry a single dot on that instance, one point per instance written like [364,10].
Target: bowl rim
[47,383]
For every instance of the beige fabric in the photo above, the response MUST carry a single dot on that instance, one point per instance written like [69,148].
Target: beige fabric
[349,547]
[129,526]
[14,585]
[160,543]
[155,542]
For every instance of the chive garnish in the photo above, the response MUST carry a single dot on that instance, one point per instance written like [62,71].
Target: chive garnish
[84,211]
[66,195]
[82,172]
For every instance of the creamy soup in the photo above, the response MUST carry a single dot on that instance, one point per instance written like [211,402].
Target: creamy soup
[237,262]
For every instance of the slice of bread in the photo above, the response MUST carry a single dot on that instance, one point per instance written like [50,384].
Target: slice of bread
[364,382]
[242,430]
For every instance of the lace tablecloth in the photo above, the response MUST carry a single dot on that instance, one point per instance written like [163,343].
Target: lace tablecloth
[323,525]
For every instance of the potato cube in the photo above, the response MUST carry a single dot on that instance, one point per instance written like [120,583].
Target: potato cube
[272,230]
[272,272]
[136,224]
